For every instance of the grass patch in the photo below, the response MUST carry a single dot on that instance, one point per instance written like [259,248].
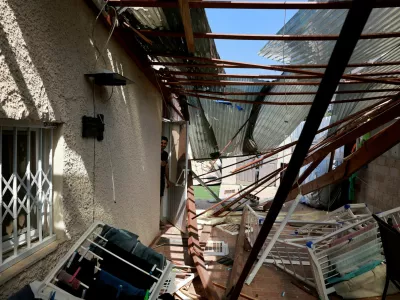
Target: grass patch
[201,193]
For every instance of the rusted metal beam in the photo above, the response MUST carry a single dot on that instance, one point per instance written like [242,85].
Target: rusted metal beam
[261,83]
[243,170]
[371,149]
[351,119]
[189,65]
[187,24]
[199,93]
[307,172]
[248,4]
[272,152]
[254,187]
[280,149]
[354,120]
[202,175]
[150,42]
[378,73]
[351,30]
[249,187]
[194,247]
[346,138]
[237,202]
[222,75]
[293,103]
[377,117]
[260,66]
[247,199]
[265,37]
[298,71]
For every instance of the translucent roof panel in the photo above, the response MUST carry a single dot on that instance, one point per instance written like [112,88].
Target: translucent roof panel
[313,22]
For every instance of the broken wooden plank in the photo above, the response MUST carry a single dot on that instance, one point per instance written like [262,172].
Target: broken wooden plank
[187,24]
[372,148]
[374,123]
[195,250]
[239,251]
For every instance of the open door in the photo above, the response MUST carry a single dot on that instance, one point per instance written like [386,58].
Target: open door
[175,202]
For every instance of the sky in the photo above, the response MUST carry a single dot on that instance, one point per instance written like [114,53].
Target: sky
[252,21]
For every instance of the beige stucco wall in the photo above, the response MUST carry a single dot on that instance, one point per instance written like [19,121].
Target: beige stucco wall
[45,48]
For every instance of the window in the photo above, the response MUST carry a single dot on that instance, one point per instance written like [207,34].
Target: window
[26,192]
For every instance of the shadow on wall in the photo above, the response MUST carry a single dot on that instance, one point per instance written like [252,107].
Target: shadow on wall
[8,94]
[46,52]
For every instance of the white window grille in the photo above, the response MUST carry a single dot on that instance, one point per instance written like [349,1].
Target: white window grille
[233,229]
[26,192]
[216,248]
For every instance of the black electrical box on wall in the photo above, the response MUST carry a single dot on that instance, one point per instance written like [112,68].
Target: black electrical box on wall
[93,127]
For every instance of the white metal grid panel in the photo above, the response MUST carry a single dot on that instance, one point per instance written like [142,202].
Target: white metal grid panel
[313,266]
[216,248]
[26,192]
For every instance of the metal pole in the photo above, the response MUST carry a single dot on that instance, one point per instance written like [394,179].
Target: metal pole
[198,93]
[28,192]
[40,188]
[186,163]
[50,179]
[351,30]
[1,191]
[15,192]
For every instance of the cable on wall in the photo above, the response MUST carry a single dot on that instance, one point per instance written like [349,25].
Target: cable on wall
[100,54]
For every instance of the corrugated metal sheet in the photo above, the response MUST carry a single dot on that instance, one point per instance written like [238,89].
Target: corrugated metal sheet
[330,22]
[226,120]
[201,136]
[151,17]
[318,52]
[277,122]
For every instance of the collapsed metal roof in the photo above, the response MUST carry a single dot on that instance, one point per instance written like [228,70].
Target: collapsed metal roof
[213,123]
[263,127]
[319,52]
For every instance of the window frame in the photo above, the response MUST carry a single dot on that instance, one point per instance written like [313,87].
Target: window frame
[28,240]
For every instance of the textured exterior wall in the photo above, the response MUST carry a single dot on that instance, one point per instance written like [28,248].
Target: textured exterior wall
[45,48]
[378,183]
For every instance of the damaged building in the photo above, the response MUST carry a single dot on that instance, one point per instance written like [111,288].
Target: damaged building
[280,183]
